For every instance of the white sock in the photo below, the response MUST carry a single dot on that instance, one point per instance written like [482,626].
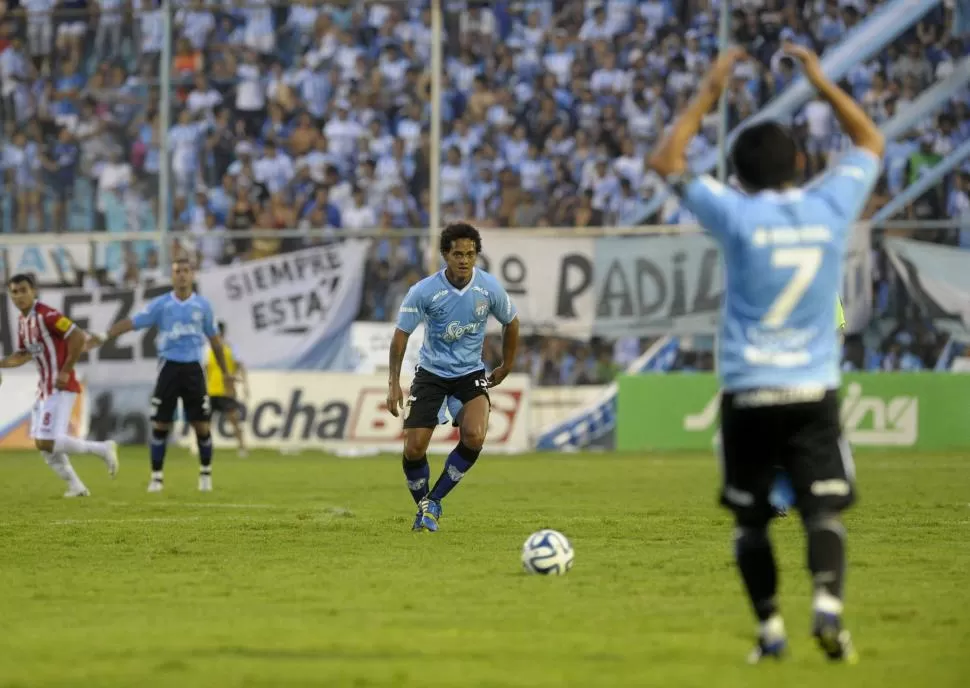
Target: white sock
[61,465]
[74,445]
[773,629]
[827,603]
[157,475]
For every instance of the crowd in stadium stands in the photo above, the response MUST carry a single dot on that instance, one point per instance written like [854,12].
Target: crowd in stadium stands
[316,116]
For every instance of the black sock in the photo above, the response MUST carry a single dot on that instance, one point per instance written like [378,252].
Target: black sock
[417,473]
[459,461]
[752,550]
[205,452]
[159,443]
[826,553]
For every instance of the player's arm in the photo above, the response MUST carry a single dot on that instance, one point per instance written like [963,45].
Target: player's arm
[857,125]
[145,318]
[218,349]
[243,378]
[121,327]
[712,202]
[670,156]
[505,312]
[16,359]
[76,341]
[408,318]
[846,186]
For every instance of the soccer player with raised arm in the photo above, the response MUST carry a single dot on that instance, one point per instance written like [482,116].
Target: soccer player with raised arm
[454,304]
[55,344]
[778,354]
[184,321]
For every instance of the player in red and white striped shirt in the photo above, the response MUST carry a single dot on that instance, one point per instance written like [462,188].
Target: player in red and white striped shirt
[55,344]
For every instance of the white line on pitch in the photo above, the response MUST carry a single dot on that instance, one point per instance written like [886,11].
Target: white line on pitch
[204,505]
[78,521]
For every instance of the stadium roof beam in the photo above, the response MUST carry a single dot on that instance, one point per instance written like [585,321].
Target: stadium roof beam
[923,184]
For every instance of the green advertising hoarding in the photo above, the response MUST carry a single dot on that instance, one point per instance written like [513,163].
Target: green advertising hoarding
[905,410]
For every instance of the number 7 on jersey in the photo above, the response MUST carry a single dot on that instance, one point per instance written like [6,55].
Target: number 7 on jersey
[806,262]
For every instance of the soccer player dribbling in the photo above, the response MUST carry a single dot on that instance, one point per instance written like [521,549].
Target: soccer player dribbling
[184,320]
[454,304]
[778,354]
[55,344]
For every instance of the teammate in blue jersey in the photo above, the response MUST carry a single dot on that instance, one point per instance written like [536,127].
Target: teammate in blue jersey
[454,304]
[778,354]
[184,321]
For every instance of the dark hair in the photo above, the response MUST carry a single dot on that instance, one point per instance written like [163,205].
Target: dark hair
[222,327]
[459,230]
[764,156]
[21,278]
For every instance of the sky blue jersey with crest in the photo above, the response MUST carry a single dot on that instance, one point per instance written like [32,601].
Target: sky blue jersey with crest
[183,326]
[454,320]
[783,254]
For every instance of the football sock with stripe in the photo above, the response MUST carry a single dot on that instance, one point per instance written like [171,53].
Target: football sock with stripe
[826,557]
[418,475]
[756,561]
[205,452]
[159,444]
[459,462]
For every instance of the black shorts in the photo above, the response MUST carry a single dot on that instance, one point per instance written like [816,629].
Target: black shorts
[223,404]
[428,391]
[760,436]
[185,381]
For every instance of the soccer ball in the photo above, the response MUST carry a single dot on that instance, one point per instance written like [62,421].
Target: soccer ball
[547,552]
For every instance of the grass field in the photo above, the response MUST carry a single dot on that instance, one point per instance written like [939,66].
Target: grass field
[302,571]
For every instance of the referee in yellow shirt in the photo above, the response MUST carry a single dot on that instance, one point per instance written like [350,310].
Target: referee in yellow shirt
[221,402]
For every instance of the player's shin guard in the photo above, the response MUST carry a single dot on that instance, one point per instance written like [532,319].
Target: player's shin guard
[418,475]
[159,444]
[756,561]
[73,445]
[205,452]
[459,462]
[826,560]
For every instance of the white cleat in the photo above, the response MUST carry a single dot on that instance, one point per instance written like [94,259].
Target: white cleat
[111,458]
[156,485]
[78,491]
[205,483]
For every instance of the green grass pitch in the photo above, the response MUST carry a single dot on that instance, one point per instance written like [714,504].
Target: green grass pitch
[302,571]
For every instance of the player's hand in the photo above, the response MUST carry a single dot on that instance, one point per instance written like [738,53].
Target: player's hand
[806,57]
[395,399]
[63,380]
[719,73]
[230,388]
[498,375]
[92,342]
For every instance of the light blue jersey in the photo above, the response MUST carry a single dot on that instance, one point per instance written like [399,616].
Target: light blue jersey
[183,326]
[783,254]
[455,319]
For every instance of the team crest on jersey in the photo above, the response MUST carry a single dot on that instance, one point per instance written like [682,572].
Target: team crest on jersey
[481,309]
[197,316]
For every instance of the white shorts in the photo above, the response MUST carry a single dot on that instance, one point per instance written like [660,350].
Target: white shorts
[52,416]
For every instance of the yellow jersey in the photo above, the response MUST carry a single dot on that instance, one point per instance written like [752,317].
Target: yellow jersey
[215,384]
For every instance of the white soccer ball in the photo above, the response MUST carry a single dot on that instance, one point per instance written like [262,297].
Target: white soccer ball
[547,552]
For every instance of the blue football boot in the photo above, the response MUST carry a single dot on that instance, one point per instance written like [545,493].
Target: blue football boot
[430,511]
